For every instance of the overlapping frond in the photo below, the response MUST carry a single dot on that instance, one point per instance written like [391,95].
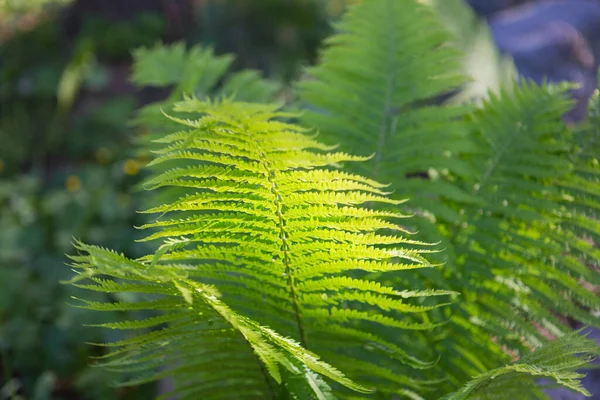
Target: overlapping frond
[267,219]
[197,331]
[375,90]
[556,361]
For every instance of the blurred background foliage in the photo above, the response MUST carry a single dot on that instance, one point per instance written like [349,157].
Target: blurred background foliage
[68,160]
[68,163]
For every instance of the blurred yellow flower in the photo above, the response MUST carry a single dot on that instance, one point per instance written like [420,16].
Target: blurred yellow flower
[73,183]
[131,167]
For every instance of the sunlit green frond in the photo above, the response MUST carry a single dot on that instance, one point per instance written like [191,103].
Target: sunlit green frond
[307,260]
[557,361]
[265,176]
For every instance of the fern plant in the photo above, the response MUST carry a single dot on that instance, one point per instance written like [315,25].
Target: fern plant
[264,244]
[501,186]
[252,270]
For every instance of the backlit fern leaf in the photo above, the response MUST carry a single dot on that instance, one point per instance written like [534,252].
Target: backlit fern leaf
[254,223]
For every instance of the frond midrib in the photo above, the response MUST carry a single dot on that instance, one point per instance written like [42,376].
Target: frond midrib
[283,235]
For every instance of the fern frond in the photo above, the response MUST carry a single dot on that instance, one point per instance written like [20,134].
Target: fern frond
[521,187]
[308,261]
[201,330]
[382,103]
[524,263]
[557,360]
[196,71]
[302,250]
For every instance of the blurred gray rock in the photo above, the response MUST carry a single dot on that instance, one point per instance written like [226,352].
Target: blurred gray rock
[557,40]
[487,8]
[582,15]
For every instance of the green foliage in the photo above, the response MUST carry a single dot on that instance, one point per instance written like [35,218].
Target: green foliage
[278,37]
[40,333]
[198,72]
[557,360]
[277,233]
[505,187]
[62,174]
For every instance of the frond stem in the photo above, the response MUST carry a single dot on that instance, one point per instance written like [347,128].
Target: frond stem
[287,261]
[285,248]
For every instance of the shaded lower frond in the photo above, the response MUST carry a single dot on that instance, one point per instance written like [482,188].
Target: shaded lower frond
[557,361]
[516,262]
